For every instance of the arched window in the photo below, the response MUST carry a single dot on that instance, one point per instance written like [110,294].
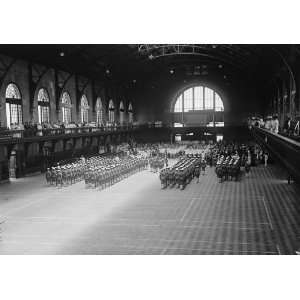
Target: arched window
[99,111]
[130,113]
[197,99]
[122,113]
[43,106]
[13,105]
[84,109]
[66,108]
[111,111]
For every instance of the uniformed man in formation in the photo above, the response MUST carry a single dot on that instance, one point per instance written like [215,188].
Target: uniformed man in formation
[228,168]
[63,175]
[229,158]
[105,172]
[96,171]
[181,173]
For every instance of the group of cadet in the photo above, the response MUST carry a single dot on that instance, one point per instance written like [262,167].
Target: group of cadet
[228,168]
[230,158]
[183,171]
[63,175]
[97,171]
[106,173]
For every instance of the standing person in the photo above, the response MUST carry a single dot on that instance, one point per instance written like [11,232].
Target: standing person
[266,157]
[276,124]
[197,172]
[203,166]
[166,158]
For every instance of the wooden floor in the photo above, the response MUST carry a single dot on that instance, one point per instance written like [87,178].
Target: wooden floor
[258,215]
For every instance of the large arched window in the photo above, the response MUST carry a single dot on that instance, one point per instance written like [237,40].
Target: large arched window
[66,108]
[122,113]
[198,98]
[13,105]
[99,111]
[84,109]
[43,106]
[111,111]
[130,113]
[198,105]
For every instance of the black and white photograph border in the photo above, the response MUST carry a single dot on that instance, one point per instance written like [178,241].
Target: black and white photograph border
[142,157]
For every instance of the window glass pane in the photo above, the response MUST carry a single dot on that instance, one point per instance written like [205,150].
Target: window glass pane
[111,116]
[43,114]
[178,104]
[98,104]
[66,115]
[15,114]
[218,103]
[8,118]
[178,125]
[12,92]
[43,95]
[188,100]
[130,117]
[209,98]
[198,100]
[66,98]
[121,117]
[130,107]
[219,124]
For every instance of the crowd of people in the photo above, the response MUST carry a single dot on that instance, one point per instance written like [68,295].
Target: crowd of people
[291,126]
[29,129]
[270,123]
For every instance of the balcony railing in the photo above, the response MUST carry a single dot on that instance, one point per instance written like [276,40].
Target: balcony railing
[31,132]
[285,149]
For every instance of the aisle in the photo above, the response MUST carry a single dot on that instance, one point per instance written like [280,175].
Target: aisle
[136,217]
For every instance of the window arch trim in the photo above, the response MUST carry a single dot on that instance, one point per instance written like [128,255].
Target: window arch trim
[122,109]
[9,93]
[111,105]
[66,100]
[43,100]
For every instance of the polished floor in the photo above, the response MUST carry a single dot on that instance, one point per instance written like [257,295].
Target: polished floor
[258,215]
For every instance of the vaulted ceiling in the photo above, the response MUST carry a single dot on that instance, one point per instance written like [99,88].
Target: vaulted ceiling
[125,63]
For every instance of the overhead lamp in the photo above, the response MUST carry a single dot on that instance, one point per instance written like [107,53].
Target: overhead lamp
[172,71]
